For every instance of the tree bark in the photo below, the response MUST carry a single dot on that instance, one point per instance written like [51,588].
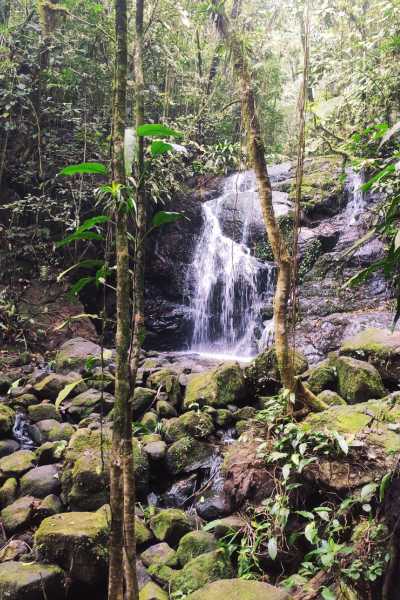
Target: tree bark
[115,587]
[256,150]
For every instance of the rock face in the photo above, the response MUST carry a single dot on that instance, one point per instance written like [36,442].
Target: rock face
[239,589]
[202,570]
[24,582]
[358,381]
[220,386]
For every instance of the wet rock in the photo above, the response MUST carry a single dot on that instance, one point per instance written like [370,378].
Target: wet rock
[52,385]
[179,492]
[42,481]
[17,464]
[50,506]
[223,417]
[161,574]
[5,383]
[40,431]
[156,451]
[149,420]
[323,377]
[232,407]
[165,409]
[74,354]
[142,576]
[240,589]
[42,412]
[22,359]
[64,431]
[170,526]
[9,492]
[25,582]
[142,399]
[8,447]
[195,543]
[7,420]
[160,554]
[17,516]
[189,455]
[78,543]
[265,366]
[228,525]
[244,414]
[51,452]
[220,386]
[13,551]
[168,380]
[214,505]
[357,381]
[330,398]
[25,400]
[90,402]
[193,424]
[202,570]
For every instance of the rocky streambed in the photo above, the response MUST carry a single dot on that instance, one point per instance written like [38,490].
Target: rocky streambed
[226,499]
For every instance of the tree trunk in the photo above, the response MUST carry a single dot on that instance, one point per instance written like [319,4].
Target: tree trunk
[115,588]
[257,154]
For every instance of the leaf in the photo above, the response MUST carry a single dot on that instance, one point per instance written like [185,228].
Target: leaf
[390,132]
[272,548]
[367,186]
[87,235]
[327,595]
[84,265]
[367,490]
[212,525]
[302,448]
[293,538]
[324,515]
[327,559]
[363,274]
[310,532]
[98,469]
[67,390]
[293,485]
[296,459]
[143,336]
[91,168]
[343,445]
[384,485]
[366,507]
[397,240]
[286,471]
[78,286]
[305,514]
[91,362]
[347,550]
[129,149]
[161,147]
[90,222]
[277,455]
[165,217]
[146,130]
[68,321]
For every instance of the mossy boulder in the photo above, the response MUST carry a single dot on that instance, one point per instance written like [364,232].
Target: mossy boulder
[228,525]
[8,492]
[160,554]
[151,437]
[188,455]
[221,385]
[358,381]
[202,570]
[242,426]
[331,398]
[156,451]
[142,399]
[152,591]
[25,400]
[49,387]
[244,414]
[169,381]
[20,581]
[161,574]
[41,482]
[240,589]
[265,365]
[50,506]
[195,543]
[23,359]
[193,424]
[64,431]
[170,526]
[5,383]
[223,417]
[165,410]
[149,420]
[51,452]
[17,464]
[142,534]
[90,402]
[7,420]
[74,354]
[84,485]
[78,543]
[322,378]
[40,431]
[42,412]
[17,516]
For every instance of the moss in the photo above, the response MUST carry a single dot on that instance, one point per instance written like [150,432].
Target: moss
[7,420]
[170,526]
[376,342]
[91,401]
[222,385]
[142,534]
[64,431]
[8,493]
[51,452]
[42,412]
[165,409]
[193,424]
[17,516]
[149,364]
[358,381]
[160,554]
[235,589]
[142,399]
[23,581]
[322,378]
[167,379]
[265,365]
[25,400]
[17,464]
[149,420]
[343,420]
[195,543]
[152,591]
[331,398]
[242,426]
[155,451]
[223,417]
[161,574]
[187,455]
[202,570]
[244,414]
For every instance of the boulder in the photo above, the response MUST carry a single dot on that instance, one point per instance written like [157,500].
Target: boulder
[195,543]
[188,455]
[265,365]
[244,414]
[5,384]
[78,543]
[202,570]
[64,431]
[221,385]
[176,495]
[223,417]
[143,535]
[142,399]
[160,554]
[151,437]
[331,398]
[8,447]
[21,360]
[42,481]
[53,384]
[17,516]
[170,526]
[152,591]
[228,525]
[242,426]
[90,402]
[40,431]
[12,551]
[142,576]
[161,574]
[8,493]
[165,410]
[43,412]
[156,451]
[240,589]
[193,424]
[323,377]
[7,420]
[50,452]
[51,505]
[357,381]
[168,380]
[17,464]
[74,354]
[20,581]
[25,400]
[149,420]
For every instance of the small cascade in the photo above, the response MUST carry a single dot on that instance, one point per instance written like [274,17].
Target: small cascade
[20,433]
[356,203]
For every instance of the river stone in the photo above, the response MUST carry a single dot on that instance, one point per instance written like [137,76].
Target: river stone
[5,383]
[239,589]
[13,551]
[142,399]
[42,481]
[168,380]
[17,516]
[51,386]
[160,554]
[142,576]
[7,420]
[170,526]
[143,535]
[165,409]
[43,412]
[331,398]
[176,495]
[8,493]
[21,360]
[161,574]
[204,569]
[189,455]
[149,420]
[265,365]
[221,385]
[51,452]
[25,400]
[40,431]
[152,591]
[223,417]
[74,354]
[357,381]
[192,424]
[195,543]
[17,464]
[8,447]
[152,437]
[25,582]
[78,543]
[51,505]
[90,402]
[228,525]
[244,414]
[156,451]
[64,431]
[323,377]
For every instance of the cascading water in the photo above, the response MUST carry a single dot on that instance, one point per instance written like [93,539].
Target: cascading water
[356,204]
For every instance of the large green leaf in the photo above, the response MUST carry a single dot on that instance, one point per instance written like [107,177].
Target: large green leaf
[90,222]
[86,235]
[84,265]
[146,130]
[367,186]
[91,168]
[78,286]
[389,133]
[363,274]
[384,485]
[166,217]
[66,391]
[159,147]
[68,321]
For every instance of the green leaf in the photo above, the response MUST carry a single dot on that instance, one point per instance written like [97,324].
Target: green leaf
[326,594]
[165,217]
[212,525]
[91,362]
[78,286]
[384,485]
[389,133]
[305,514]
[67,390]
[272,548]
[286,471]
[343,445]
[367,491]
[161,147]
[90,222]
[84,265]
[292,538]
[363,274]
[68,321]
[146,130]
[361,241]
[91,168]
[143,336]
[87,235]
[367,186]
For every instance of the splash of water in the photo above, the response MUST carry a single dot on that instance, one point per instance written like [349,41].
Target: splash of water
[356,204]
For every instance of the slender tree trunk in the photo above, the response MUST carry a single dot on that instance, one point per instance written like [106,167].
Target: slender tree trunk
[115,589]
[257,153]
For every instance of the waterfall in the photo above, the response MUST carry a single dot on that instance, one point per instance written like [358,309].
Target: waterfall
[356,204]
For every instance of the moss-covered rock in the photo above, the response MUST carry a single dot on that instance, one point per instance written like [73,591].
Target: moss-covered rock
[17,464]
[20,581]
[202,570]
[49,387]
[25,400]
[229,525]
[322,378]
[161,574]
[142,534]
[142,399]
[42,412]
[23,359]
[242,426]
[64,431]
[331,398]
[223,417]
[17,516]
[151,437]
[195,543]
[149,420]
[5,383]
[152,591]
[90,402]
[8,493]
[156,451]
[358,381]
[170,526]
[244,414]
[74,354]
[265,365]
[40,431]
[51,452]
[78,543]
[165,410]
[168,380]
[41,482]
[221,385]
[50,506]
[7,420]
[160,554]
[188,455]
[240,589]
[193,424]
